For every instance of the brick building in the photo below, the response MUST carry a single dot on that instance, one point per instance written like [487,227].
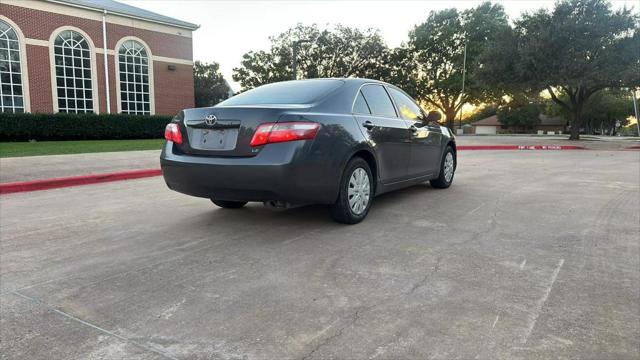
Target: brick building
[52,58]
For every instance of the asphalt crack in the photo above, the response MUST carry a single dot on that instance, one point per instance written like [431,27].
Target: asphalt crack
[426,277]
[354,318]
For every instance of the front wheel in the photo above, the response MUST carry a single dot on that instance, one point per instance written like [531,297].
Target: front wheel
[447,170]
[356,195]
[226,204]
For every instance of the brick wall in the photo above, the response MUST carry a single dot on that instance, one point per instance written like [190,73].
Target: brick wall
[39,79]
[173,89]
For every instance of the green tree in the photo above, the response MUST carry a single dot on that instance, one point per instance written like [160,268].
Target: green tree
[601,112]
[338,52]
[210,86]
[482,112]
[438,48]
[519,113]
[574,51]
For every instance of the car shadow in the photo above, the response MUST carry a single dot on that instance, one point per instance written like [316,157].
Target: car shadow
[312,215]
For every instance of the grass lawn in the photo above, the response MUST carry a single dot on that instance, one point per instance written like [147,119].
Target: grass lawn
[15,149]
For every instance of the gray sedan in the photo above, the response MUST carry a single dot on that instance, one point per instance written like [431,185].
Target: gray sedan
[329,141]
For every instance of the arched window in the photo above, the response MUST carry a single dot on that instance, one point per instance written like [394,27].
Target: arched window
[73,72]
[133,65]
[11,91]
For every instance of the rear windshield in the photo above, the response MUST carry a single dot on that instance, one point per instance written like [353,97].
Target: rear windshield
[286,92]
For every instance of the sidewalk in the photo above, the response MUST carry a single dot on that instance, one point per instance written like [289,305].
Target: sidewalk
[57,166]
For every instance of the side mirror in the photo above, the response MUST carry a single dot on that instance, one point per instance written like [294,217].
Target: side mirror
[433,116]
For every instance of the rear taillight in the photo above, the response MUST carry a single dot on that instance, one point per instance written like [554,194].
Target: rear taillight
[172,133]
[268,133]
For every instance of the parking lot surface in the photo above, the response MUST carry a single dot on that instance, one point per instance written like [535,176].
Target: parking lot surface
[527,255]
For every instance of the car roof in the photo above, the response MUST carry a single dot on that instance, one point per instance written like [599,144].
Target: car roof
[346,80]
[356,80]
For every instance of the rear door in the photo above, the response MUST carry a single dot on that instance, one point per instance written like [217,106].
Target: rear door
[425,138]
[390,135]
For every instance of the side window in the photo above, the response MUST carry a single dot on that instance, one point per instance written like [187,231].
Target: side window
[360,106]
[378,100]
[406,106]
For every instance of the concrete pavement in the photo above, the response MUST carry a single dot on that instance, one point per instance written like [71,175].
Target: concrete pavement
[527,255]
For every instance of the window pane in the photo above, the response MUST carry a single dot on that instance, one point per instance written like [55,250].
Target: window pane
[406,106]
[134,78]
[10,70]
[286,92]
[378,100]
[73,79]
[360,106]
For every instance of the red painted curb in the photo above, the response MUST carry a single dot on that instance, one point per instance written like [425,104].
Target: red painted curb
[634,147]
[520,147]
[21,186]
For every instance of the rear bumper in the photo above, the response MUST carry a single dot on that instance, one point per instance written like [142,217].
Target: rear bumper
[278,172]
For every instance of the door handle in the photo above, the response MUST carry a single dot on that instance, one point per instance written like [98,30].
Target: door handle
[368,125]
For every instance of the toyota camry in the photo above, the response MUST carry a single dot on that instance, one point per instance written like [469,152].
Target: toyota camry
[329,141]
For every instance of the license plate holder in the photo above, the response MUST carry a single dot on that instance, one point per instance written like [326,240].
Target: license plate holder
[216,139]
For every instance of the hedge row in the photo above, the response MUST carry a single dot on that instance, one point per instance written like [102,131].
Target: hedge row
[62,126]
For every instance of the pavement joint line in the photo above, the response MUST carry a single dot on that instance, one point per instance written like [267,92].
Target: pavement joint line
[86,323]
[542,301]
[476,209]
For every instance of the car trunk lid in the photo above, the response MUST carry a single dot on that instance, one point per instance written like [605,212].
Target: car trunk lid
[226,131]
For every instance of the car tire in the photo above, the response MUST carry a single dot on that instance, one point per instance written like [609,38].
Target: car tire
[356,193]
[226,204]
[447,170]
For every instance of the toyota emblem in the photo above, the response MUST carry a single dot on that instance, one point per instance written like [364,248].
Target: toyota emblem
[210,120]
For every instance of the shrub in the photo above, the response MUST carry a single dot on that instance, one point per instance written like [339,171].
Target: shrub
[62,126]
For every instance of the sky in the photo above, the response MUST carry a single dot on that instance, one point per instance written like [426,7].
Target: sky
[229,29]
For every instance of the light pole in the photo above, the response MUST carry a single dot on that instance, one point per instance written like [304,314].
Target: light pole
[295,46]
[635,109]
[464,73]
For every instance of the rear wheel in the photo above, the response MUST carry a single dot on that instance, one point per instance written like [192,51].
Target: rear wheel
[226,204]
[447,170]
[356,195]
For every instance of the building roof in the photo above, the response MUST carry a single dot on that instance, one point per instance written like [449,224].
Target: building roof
[544,120]
[119,8]
[490,121]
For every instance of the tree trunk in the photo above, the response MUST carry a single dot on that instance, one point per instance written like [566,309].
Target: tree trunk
[450,117]
[576,122]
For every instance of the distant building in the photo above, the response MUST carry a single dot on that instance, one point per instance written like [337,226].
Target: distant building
[492,125]
[52,58]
